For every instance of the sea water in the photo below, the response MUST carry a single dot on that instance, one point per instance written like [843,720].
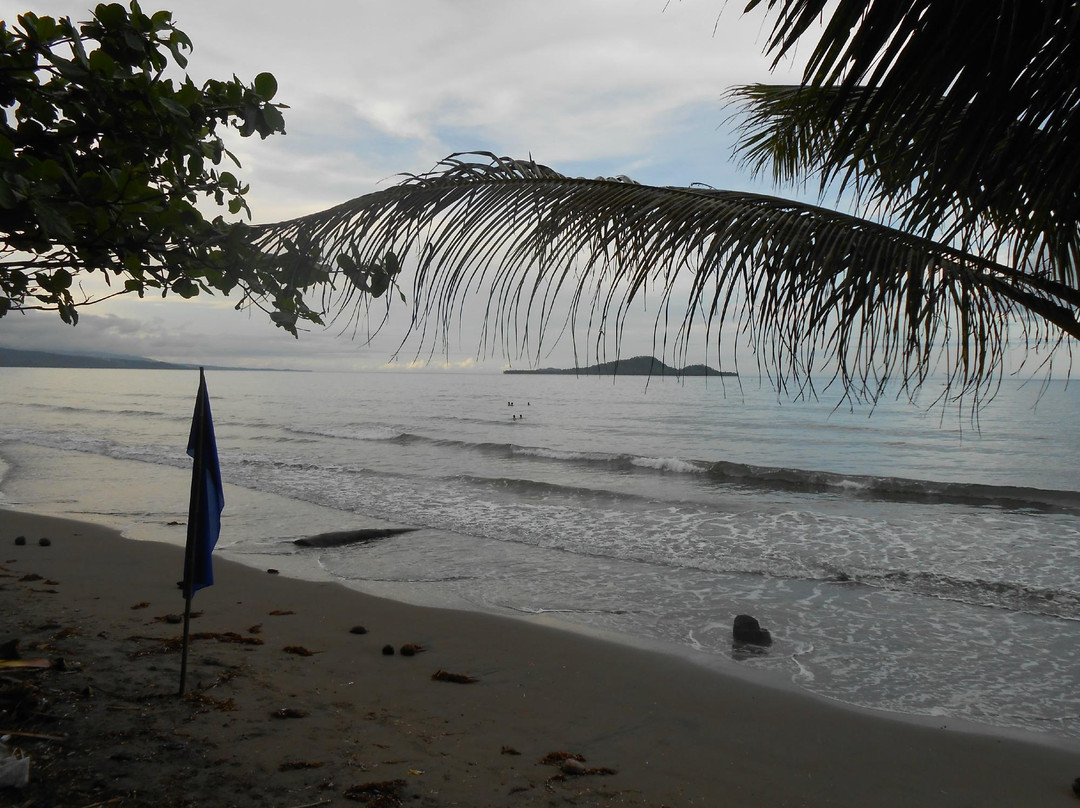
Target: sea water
[906,558]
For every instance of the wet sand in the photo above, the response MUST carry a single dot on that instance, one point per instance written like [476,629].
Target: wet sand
[265,724]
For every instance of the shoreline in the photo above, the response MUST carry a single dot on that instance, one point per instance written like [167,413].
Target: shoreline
[245,515]
[676,732]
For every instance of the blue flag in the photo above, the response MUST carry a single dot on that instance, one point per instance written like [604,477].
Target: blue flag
[207,496]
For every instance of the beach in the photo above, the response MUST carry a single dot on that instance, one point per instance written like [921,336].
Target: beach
[265,724]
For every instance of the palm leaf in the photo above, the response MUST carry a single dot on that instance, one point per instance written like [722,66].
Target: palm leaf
[1001,204]
[807,287]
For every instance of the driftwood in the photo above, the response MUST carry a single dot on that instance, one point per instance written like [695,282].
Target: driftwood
[342,538]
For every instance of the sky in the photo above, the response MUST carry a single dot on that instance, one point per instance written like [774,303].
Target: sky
[376,88]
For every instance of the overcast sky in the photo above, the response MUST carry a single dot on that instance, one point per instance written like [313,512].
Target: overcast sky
[379,87]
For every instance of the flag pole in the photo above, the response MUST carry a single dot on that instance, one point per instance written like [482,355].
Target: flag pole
[195,504]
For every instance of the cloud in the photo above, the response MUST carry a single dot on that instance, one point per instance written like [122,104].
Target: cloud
[590,87]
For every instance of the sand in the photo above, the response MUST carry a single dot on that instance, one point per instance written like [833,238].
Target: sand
[367,728]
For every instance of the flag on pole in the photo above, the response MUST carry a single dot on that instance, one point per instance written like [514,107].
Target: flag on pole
[207,496]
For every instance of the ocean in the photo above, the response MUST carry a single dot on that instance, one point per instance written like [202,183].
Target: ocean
[906,558]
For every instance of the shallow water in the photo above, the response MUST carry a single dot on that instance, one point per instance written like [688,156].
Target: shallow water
[903,560]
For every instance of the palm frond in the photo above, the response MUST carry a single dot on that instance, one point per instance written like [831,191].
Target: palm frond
[979,95]
[809,288]
[1001,204]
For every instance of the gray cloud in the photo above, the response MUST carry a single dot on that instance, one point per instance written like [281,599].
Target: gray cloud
[591,87]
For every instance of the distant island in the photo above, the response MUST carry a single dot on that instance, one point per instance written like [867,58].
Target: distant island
[637,366]
[14,358]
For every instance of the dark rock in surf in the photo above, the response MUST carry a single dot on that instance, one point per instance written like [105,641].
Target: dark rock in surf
[342,538]
[44,542]
[20,540]
[747,630]
[388,650]
[358,630]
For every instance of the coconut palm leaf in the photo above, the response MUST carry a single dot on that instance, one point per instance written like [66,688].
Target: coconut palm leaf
[808,287]
[1001,204]
[974,103]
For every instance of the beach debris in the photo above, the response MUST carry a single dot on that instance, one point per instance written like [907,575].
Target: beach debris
[34,736]
[358,630]
[14,769]
[295,765]
[344,537]
[170,645]
[206,702]
[299,650]
[573,764]
[281,612]
[412,649]
[44,542]
[37,662]
[225,636]
[20,540]
[1076,786]
[140,605]
[289,712]
[457,678]
[30,577]
[385,794]
[273,571]
[509,750]
[172,619]
[558,758]
[388,650]
[20,700]
[746,629]
[255,629]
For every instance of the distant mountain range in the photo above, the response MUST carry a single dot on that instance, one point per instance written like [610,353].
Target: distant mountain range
[14,358]
[637,366]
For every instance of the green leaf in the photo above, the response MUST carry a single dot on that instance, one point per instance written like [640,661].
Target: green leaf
[61,279]
[101,62]
[178,110]
[266,86]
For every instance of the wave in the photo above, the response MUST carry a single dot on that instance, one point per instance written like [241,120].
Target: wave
[1008,595]
[723,473]
[83,410]
[894,488]
[745,475]
[362,432]
[533,489]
